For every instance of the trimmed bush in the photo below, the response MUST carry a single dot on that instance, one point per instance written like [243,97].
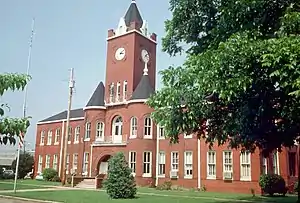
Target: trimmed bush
[120,183]
[272,183]
[49,174]
[296,187]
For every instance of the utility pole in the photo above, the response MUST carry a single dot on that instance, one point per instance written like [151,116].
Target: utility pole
[21,137]
[71,88]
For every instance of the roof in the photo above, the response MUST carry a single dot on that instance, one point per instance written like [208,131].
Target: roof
[133,15]
[75,113]
[97,99]
[143,89]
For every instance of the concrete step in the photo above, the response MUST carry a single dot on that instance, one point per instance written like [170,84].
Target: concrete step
[86,183]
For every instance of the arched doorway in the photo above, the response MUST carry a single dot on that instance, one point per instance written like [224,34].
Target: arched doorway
[103,164]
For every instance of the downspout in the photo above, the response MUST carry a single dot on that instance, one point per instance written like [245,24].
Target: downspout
[91,160]
[157,155]
[61,147]
[198,162]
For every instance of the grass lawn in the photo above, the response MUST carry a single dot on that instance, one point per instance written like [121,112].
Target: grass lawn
[10,186]
[32,182]
[82,196]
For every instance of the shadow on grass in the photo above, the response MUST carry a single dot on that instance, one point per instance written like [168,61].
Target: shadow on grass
[265,199]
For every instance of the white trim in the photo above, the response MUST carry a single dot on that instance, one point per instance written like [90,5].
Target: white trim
[129,32]
[173,163]
[231,164]
[91,161]
[245,178]
[126,102]
[211,177]
[158,127]
[134,162]
[93,107]
[61,120]
[148,125]
[187,136]
[132,135]
[185,163]
[158,162]
[147,175]
[278,167]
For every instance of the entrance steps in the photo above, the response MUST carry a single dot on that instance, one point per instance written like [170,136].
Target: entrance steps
[87,184]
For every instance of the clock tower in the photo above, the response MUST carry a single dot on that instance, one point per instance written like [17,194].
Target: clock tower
[131,51]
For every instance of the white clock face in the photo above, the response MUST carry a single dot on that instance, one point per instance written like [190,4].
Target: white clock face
[120,53]
[145,56]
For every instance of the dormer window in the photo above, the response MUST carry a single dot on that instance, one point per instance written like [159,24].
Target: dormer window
[118,91]
[125,90]
[111,92]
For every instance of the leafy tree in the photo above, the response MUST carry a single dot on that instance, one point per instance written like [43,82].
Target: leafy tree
[120,183]
[25,164]
[241,73]
[10,127]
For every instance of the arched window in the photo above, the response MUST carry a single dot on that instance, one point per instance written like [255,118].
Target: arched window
[100,131]
[117,126]
[87,134]
[148,127]
[133,127]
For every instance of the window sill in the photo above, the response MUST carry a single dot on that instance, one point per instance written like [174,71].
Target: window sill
[76,142]
[245,179]
[211,177]
[56,143]
[69,142]
[188,177]
[132,136]
[146,175]
[161,176]
[48,144]
[87,139]
[42,144]
[133,174]
[148,137]
[161,138]
[99,140]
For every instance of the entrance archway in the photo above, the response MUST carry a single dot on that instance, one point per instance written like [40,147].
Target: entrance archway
[102,166]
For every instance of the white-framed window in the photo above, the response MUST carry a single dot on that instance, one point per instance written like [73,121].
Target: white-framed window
[68,164]
[264,165]
[162,163]
[47,165]
[245,162]
[87,135]
[100,131]
[75,161]
[49,137]
[111,92]
[188,164]
[57,135]
[118,93]
[275,163]
[174,161]
[132,161]
[40,166]
[211,164]
[85,162]
[147,159]
[227,163]
[133,127]
[77,134]
[187,136]
[117,126]
[54,163]
[125,90]
[160,132]
[42,140]
[70,135]
[148,127]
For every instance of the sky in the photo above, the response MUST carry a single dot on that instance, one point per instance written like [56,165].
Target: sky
[68,34]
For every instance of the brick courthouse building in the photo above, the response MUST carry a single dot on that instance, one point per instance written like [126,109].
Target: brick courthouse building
[116,118]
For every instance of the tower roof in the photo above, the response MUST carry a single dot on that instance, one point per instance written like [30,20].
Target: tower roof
[133,15]
[97,99]
[144,89]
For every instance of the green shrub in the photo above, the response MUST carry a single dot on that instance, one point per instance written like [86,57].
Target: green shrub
[167,185]
[56,179]
[272,183]
[49,174]
[120,183]
[296,187]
